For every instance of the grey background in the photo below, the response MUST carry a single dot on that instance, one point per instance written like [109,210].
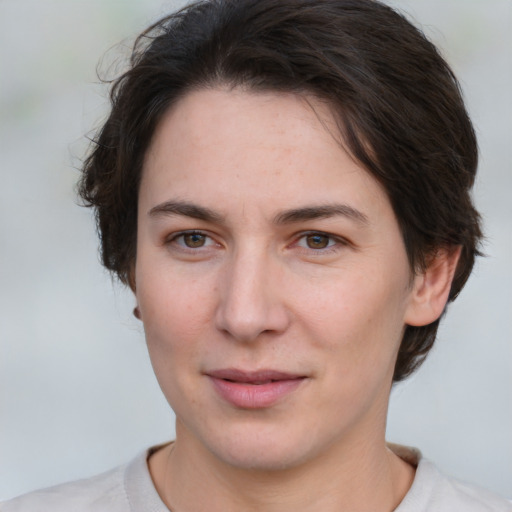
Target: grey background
[77,394]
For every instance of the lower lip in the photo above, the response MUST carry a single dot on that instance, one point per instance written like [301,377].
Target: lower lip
[254,396]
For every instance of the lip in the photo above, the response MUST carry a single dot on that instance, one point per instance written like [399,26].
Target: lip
[254,389]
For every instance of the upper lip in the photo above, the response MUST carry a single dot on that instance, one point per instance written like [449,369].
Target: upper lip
[243,376]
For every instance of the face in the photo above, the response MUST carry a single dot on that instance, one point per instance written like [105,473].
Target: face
[271,279]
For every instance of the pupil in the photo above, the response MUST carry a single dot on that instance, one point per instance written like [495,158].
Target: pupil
[317,241]
[194,240]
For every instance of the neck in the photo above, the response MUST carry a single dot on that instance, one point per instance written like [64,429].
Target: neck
[348,476]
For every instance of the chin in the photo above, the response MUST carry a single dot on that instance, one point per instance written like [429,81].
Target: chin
[262,450]
[259,458]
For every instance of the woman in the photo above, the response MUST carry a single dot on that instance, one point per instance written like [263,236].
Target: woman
[284,185]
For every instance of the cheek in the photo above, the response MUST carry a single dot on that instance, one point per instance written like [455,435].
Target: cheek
[358,319]
[175,313]
[359,331]
[174,321]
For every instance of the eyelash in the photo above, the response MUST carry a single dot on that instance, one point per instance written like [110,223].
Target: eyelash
[333,242]
[175,237]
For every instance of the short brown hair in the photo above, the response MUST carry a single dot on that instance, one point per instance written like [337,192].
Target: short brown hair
[399,108]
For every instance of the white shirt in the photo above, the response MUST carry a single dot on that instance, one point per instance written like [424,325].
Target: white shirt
[129,488]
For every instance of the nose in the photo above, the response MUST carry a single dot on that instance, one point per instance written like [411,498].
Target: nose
[251,301]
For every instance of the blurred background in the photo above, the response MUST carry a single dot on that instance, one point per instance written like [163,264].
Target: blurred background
[77,393]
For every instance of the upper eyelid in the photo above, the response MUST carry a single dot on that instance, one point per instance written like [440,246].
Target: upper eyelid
[313,232]
[177,234]
[188,232]
[332,248]
[296,237]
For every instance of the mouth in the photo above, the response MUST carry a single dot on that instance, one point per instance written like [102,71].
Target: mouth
[254,389]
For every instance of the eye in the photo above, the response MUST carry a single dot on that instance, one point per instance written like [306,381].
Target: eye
[192,240]
[317,241]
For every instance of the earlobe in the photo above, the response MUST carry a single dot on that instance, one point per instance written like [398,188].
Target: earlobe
[131,284]
[431,288]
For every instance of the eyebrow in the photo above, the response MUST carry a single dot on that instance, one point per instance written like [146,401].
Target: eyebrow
[294,215]
[187,210]
[320,212]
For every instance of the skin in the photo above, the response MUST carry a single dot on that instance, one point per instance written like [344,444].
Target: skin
[326,297]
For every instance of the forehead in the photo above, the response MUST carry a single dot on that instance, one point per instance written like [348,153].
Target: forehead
[234,148]
[256,121]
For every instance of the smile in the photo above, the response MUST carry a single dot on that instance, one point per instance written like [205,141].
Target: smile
[253,390]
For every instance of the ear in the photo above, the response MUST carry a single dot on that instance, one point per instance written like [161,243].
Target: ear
[131,284]
[431,288]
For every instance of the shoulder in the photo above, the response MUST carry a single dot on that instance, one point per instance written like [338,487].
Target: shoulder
[103,492]
[481,499]
[128,488]
[433,491]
